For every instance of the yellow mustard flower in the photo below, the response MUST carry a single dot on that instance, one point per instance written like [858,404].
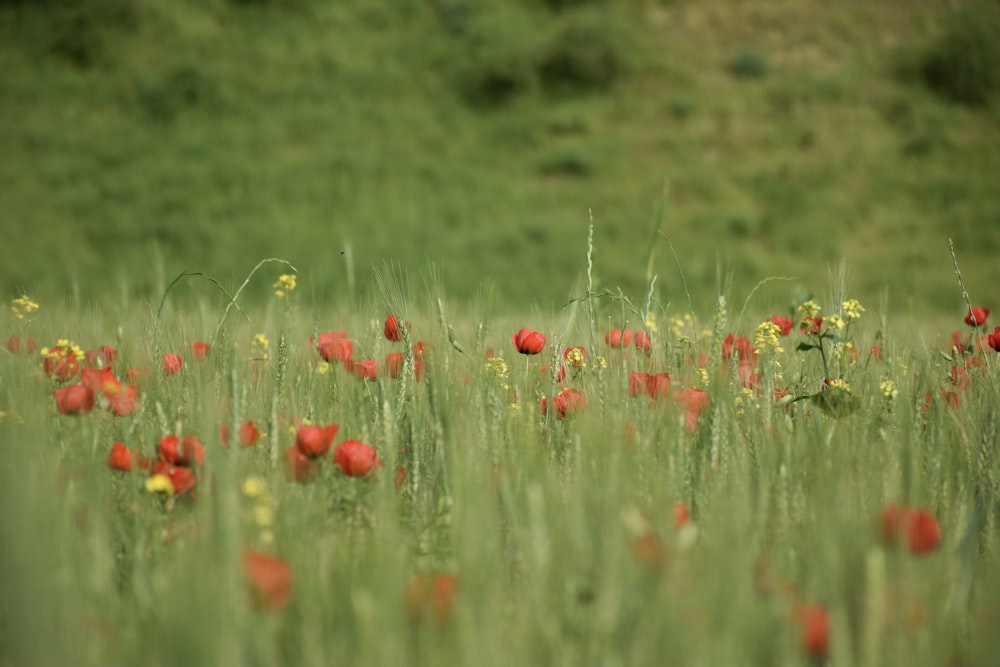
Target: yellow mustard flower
[23,306]
[285,283]
[160,484]
[852,309]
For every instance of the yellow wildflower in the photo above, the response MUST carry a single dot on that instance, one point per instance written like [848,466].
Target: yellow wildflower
[651,322]
[852,309]
[284,284]
[497,367]
[254,486]
[888,390]
[574,357]
[839,383]
[809,309]
[22,306]
[766,337]
[160,484]
[258,346]
[834,322]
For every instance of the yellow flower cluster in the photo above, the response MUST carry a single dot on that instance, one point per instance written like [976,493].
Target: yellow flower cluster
[835,322]
[255,488]
[258,347]
[66,348]
[745,398]
[600,364]
[838,383]
[497,367]
[574,357]
[160,484]
[888,390]
[682,328]
[809,309]
[852,309]
[284,284]
[651,322]
[22,306]
[767,337]
[703,377]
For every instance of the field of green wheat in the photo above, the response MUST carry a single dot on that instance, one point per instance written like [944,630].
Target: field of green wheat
[408,481]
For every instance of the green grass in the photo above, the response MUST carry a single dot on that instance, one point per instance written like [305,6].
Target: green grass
[537,517]
[143,140]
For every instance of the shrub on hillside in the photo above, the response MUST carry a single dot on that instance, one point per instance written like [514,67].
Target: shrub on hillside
[964,64]
[589,49]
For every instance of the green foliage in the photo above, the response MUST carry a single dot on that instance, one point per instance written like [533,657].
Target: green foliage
[561,534]
[964,64]
[748,65]
[172,136]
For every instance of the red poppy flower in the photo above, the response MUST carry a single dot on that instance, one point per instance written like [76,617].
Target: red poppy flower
[681,515]
[334,346]
[249,434]
[876,351]
[200,350]
[566,402]
[431,592]
[694,401]
[172,363]
[366,369]
[61,363]
[270,579]
[100,381]
[993,340]
[642,341]
[122,399]
[102,357]
[355,458]
[394,364]
[298,466]
[392,330]
[315,441]
[577,355]
[618,337]
[120,458]
[16,345]
[184,451]
[748,378]
[528,341]
[923,533]
[653,385]
[918,527]
[815,625]
[741,344]
[977,316]
[76,399]
[785,324]
[181,478]
[811,326]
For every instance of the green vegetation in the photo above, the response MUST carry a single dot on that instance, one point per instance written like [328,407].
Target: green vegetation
[493,533]
[143,139]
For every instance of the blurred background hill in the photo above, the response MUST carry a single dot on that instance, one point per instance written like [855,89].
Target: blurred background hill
[144,138]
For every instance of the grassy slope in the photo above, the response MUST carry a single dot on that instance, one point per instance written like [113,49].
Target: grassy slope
[204,137]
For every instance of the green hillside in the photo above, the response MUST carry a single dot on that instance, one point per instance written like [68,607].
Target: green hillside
[141,139]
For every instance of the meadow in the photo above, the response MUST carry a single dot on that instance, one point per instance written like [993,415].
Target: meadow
[145,139]
[499,333]
[407,481]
